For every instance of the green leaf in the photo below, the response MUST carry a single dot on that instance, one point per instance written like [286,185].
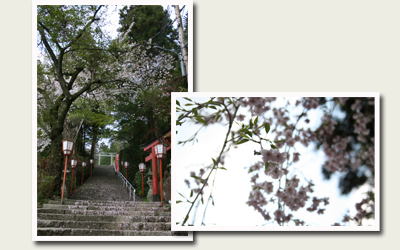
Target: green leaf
[266,166]
[194,110]
[213,107]
[202,201]
[177,103]
[273,146]
[215,163]
[243,135]
[280,141]
[187,99]
[371,195]
[267,127]
[256,120]
[223,168]
[188,104]
[191,193]
[256,153]
[242,141]
[178,202]
[251,123]
[248,132]
[199,119]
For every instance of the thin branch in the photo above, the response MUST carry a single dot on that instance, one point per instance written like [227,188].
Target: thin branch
[216,163]
[85,28]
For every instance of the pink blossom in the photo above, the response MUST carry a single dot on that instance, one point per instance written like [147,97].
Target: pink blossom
[278,215]
[296,157]
[342,100]
[240,117]
[356,106]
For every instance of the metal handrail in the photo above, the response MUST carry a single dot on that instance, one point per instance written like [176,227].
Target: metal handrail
[132,190]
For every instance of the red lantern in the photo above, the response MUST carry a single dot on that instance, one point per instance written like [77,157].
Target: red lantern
[126,164]
[67,148]
[160,151]
[83,167]
[74,162]
[142,168]
[91,164]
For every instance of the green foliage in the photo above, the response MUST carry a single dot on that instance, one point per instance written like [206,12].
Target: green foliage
[266,166]
[151,21]
[105,160]
[79,78]
[137,183]
[45,188]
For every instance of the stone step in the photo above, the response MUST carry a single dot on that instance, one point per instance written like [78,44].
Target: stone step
[137,226]
[106,208]
[110,201]
[102,212]
[103,218]
[94,232]
[107,203]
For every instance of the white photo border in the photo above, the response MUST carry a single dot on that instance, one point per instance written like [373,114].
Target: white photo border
[175,218]
[35,3]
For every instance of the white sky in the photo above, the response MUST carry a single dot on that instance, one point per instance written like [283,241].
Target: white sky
[232,187]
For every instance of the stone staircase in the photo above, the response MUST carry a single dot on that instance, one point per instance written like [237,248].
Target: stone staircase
[101,211]
[103,218]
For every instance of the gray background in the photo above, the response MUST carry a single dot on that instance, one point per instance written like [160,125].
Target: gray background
[239,46]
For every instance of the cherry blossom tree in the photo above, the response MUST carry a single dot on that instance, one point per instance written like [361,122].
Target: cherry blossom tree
[279,189]
[77,59]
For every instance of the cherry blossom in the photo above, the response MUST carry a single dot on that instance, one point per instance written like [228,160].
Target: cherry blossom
[277,190]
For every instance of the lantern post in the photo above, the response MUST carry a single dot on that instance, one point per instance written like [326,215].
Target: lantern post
[67,148]
[126,164]
[91,164]
[160,150]
[74,162]
[83,168]
[142,168]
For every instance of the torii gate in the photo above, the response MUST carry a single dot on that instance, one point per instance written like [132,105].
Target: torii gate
[152,157]
[100,154]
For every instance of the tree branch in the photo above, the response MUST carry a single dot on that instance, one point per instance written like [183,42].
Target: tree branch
[85,28]
[48,47]
[215,164]
[73,77]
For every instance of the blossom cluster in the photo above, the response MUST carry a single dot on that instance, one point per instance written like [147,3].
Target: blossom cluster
[258,105]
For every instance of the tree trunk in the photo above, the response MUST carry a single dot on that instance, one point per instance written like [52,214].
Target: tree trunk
[181,36]
[94,141]
[58,115]
[78,145]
